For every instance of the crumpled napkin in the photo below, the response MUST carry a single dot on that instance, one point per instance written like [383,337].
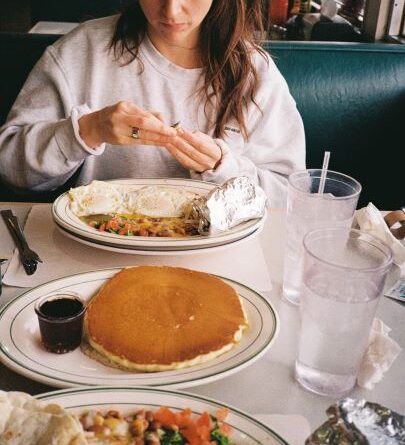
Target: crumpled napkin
[371,220]
[379,356]
[382,350]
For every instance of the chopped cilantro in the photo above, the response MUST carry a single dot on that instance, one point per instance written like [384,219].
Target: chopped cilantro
[220,438]
[112,231]
[171,438]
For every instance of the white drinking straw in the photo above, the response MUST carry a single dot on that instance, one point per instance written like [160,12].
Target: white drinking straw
[325,164]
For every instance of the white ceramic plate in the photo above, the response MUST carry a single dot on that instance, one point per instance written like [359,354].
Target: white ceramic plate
[22,351]
[67,220]
[245,429]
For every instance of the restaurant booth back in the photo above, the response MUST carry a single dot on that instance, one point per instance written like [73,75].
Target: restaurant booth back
[351,97]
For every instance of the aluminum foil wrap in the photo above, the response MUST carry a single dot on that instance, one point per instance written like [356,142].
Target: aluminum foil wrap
[359,422]
[237,200]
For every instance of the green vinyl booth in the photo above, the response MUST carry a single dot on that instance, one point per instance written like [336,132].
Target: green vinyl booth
[351,97]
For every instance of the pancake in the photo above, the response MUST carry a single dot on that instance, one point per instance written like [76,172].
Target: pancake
[152,318]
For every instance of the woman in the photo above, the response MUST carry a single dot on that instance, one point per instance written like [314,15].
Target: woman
[101,102]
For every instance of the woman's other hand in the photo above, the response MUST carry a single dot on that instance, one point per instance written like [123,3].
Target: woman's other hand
[116,125]
[195,151]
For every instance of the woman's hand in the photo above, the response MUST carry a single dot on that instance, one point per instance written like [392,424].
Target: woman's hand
[116,124]
[195,151]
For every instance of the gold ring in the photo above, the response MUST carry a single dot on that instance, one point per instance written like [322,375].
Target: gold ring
[135,133]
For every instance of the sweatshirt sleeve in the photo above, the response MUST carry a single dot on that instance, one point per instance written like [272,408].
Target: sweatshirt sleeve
[40,145]
[276,145]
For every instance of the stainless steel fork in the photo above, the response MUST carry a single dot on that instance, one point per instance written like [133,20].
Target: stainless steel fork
[28,257]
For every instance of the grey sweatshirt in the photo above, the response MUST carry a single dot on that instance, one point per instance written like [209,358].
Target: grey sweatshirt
[40,145]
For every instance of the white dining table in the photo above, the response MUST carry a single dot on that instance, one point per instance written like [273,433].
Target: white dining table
[268,385]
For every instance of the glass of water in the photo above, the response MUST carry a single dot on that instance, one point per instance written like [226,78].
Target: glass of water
[343,278]
[308,210]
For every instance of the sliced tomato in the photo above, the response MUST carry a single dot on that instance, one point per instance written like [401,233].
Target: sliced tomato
[204,432]
[112,224]
[191,435]
[204,420]
[184,418]
[225,429]
[222,414]
[165,416]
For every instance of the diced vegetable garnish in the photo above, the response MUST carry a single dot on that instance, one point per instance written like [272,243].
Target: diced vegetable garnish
[162,427]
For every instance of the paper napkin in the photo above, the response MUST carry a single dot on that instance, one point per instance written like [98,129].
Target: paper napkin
[371,220]
[382,350]
[379,356]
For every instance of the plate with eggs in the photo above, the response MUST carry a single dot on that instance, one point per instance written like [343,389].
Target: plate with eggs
[143,216]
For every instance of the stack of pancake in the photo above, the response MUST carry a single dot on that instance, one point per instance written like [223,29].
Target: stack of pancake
[153,318]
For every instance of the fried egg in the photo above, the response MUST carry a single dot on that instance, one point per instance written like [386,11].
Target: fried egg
[159,201]
[96,198]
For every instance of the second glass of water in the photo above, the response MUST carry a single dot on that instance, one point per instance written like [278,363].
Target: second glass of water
[343,278]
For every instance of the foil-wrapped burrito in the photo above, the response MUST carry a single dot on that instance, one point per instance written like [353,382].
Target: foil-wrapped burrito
[359,422]
[237,200]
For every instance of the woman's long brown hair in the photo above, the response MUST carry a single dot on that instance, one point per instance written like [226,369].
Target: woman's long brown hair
[227,40]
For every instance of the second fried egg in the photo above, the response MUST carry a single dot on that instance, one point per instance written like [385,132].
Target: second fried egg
[159,201]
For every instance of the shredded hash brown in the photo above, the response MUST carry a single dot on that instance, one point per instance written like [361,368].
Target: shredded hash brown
[141,225]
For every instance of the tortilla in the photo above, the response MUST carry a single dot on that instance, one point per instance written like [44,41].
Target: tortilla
[27,421]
